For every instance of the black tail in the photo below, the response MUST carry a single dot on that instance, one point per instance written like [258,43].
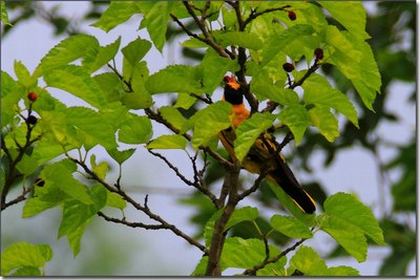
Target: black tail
[284,177]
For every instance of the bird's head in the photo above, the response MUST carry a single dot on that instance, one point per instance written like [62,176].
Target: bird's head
[232,90]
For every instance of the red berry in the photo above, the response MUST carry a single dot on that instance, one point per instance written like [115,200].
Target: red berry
[32,119]
[319,53]
[32,96]
[291,15]
[288,67]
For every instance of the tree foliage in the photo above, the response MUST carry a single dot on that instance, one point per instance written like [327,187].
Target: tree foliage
[48,146]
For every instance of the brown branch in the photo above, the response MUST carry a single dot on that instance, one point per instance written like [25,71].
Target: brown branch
[253,271]
[142,208]
[206,99]
[255,186]
[196,184]
[218,238]
[18,199]
[254,14]
[130,224]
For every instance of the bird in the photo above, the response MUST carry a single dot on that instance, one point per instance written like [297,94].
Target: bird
[263,155]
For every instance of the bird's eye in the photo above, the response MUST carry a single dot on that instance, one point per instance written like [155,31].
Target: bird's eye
[226,79]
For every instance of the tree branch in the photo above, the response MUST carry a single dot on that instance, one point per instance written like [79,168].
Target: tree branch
[18,199]
[253,271]
[130,224]
[254,14]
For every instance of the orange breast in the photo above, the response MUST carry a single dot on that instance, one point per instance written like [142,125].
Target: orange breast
[239,114]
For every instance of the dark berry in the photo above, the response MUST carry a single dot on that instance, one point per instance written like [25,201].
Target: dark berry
[32,96]
[288,67]
[319,53]
[39,182]
[32,119]
[291,15]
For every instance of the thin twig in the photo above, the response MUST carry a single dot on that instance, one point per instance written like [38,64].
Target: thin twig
[130,224]
[254,14]
[253,271]
[255,186]
[18,199]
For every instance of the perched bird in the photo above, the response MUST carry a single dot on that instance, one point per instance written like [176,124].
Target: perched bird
[263,155]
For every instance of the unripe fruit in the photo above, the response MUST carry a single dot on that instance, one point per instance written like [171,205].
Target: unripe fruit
[288,67]
[319,53]
[291,15]
[32,119]
[32,96]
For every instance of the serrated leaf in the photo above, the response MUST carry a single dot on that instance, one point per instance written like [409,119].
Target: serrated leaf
[68,50]
[200,268]
[115,200]
[290,226]
[318,91]
[296,117]
[322,118]
[244,253]
[236,38]
[174,117]
[349,208]
[279,41]
[308,262]
[342,270]
[120,156]
[75,238]
[4,16]
[248,132]
[168,142]
[351,15]
[263,88]
[175,78]
[103,55]
[11,93]
[60,174]
[135,130]
[117,13]
[133,53]
[274,269]
[77,81]
[214,67]
[242,214]
[23,75]
[23,254]
[156,22]
[185,101]
[100,169]
[209,121]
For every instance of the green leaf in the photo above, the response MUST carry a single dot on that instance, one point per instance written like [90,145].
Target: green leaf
[111,86]
[308,262]
[347,207]
[194,43]
[23,75]
[263,88]
[290,205]
[274,269]
[248,132]
[11,93]
[115,200]
[121,156]
[27,271]
[354,58]
[209,121]
[214,68]
[4,17]
[279,42]
[318,91]
[296,117]
[103,55]
[236,38]
[136,130]
[174,117]
[133,53]
[117,13]
[244,253]
[61,175]
[247,213]
[75,238]
[34,205]
[185,101]
[290,226]
[175,78]
[24,255]
[201,267]
[137,74]
[75,80]
[67,51]
[322,118]
[100,169]
[351,15]
[168,142]
[342,270]
[347,220]
[156,22]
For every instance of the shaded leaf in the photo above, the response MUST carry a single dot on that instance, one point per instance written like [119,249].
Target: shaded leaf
[296,117]
[290,226]
[168,142]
